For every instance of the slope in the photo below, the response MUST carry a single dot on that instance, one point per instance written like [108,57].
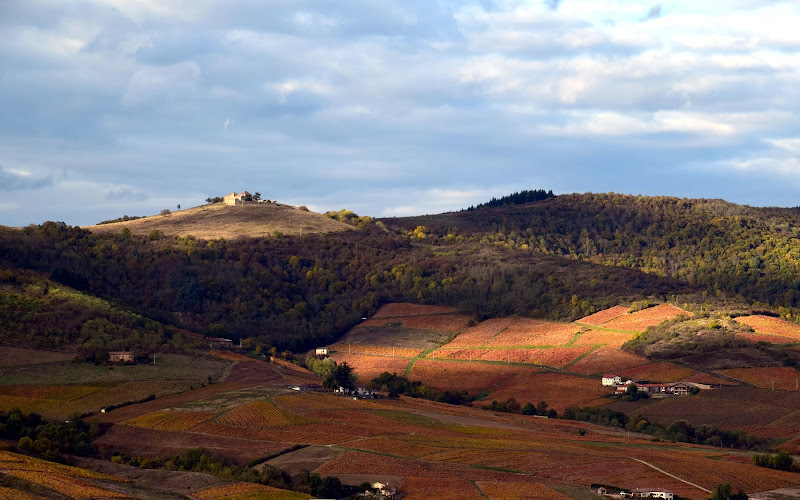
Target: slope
[256,220]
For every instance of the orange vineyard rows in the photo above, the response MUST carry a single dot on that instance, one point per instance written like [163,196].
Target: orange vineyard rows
[771,326]
[261,414]
[170,420]
[640,320]
[244,491]
[605,360]
[374,350]
[368,367]
[603,316]
[611,339]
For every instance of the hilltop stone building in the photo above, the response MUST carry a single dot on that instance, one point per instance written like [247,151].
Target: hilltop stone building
[236,198]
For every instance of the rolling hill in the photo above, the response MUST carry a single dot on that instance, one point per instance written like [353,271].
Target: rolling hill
[215,221]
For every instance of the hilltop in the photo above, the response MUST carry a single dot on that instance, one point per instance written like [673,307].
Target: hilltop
[218,220]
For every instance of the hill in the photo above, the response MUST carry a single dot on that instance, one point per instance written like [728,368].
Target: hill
[215,221]
[709,243]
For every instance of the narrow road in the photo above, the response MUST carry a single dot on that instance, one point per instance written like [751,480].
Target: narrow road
[671,475]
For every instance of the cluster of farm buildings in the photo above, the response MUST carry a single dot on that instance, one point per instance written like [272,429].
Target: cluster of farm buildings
[674,389]
[637,493]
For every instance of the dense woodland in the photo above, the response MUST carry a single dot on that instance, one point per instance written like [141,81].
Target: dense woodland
[711,244]
[561,257]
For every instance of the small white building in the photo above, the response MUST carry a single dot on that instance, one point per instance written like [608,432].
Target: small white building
[321,351]
[652,493]
[612,380]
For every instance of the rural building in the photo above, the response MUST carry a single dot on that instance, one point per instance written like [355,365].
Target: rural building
[321,351]
[306,387]
[236,198]
[609,380]
[680,389]
[219,343]
[651,493]
[120,356]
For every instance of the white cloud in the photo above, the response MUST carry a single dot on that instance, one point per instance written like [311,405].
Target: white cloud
[150,83]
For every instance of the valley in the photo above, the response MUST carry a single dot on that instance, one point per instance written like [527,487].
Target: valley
[487,334]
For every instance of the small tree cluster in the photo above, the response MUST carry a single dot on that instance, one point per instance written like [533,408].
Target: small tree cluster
[511,405]
[781,461]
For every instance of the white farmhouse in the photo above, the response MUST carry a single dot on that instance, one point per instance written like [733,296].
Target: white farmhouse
[612,380]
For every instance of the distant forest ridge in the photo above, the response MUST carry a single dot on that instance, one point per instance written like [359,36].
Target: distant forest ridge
[518,198]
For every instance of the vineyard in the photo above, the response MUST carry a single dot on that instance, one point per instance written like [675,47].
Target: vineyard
[604,316]
[781,378]
[529,332]
[247,491]
[170,420]
[70,481]
[421,488]
[500,491]
[768,325]
[374,350]
[639,321]
[596,337]
[557,357]
[657,372]
[262,414]
[368,367]
[605,360]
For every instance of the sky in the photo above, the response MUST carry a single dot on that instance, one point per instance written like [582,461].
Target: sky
[391,108]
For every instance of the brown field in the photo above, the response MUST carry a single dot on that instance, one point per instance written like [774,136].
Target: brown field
[261,414]
[151,443]
[472,377]
[368,367]
[373,350]
[784,377]
[231,356]
[640,320]
[392,335]
[13,356]
[442,488]
[69,481]
[509,491]
[222,221]
[657,372]
[247,491]
[465,354]
[767,325]
[397,309]
[436,322]
[607,360]
[763,337]
[603,316]
[132,411]
[596,337]
[480,334]
[557,357]
[560,391]
[523,331]
[170,420]
[756,411]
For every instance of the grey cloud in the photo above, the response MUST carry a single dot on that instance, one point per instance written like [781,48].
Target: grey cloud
[654,12]
[553,4]
[18,180]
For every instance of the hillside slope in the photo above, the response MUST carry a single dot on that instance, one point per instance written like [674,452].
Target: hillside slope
[710,243]
[224,221]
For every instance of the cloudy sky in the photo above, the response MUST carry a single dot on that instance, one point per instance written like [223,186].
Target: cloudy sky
[112,107]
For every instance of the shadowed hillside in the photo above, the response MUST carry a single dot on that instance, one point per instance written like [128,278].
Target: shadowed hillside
[223,221]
